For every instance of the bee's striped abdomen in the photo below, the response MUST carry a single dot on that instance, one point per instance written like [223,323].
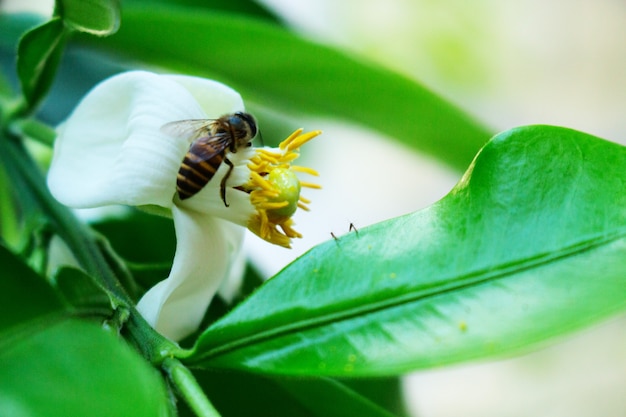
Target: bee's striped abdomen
[195,173]
[213,138]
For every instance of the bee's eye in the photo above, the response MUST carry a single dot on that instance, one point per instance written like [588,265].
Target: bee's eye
[253,129]
[242,122]
[247,118]
[235,121]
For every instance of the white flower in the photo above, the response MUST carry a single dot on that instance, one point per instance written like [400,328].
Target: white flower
[113,150]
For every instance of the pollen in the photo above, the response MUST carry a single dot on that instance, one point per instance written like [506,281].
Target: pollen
[274,189]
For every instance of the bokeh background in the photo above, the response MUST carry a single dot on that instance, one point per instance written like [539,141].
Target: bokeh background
[508,63]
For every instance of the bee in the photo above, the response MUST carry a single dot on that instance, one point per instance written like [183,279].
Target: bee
[212,138]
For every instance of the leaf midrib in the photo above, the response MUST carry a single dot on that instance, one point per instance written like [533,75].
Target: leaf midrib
[466,281]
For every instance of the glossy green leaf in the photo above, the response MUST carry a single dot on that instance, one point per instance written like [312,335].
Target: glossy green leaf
[76,369]
[96,17]
[80,69]
[275,68]
[38,56]
[529,245]
[25,297]
[81,291]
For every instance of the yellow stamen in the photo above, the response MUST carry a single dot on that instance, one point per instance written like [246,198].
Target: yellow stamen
[296,140]
[290,157]
[266,154]
[288,230]
[285,144]
[258,180]
[273,206]
[310,185]
[305,170]
[275,190]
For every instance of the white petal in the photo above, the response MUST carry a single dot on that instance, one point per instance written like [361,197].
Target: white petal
[214,98]
[231,286]
[111,149]
[207,253]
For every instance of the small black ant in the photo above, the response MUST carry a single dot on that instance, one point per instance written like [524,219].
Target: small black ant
[351,228]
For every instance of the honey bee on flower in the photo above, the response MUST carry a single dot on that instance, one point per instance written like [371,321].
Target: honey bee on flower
[141,163]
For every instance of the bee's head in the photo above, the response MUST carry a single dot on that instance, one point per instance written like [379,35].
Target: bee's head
[245,126]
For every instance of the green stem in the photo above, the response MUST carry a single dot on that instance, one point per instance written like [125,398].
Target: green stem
[186,384]
[74,233]
[31,184]
[33,129]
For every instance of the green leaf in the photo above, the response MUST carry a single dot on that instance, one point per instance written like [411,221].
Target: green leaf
[243,7]
[330,398]
[34,129]
[82,292]
[529,245]
[38,56]
[274,67]
[96,17]
[153,239]
[242,394]
[386,392]
[80,68]
[76,369]
[148,256]
[25,297]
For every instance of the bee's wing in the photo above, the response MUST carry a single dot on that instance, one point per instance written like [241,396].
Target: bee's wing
[189,129]
[207,147]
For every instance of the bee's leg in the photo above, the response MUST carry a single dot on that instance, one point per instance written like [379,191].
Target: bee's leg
[223,183]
